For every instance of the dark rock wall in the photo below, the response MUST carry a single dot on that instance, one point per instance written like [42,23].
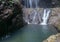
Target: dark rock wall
[11,17]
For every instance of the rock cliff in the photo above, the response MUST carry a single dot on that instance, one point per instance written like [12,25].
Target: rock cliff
[11,17]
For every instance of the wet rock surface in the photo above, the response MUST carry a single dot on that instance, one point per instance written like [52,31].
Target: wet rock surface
[29,14]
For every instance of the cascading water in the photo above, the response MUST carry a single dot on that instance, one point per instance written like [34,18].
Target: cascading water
[34,16]
[45,16]
[30,3]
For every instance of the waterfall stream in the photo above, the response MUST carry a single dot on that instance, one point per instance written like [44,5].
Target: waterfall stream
[45,16]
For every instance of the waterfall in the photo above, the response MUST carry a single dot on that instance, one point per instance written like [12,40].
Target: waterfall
[45,16]
[30,3]
[34,16]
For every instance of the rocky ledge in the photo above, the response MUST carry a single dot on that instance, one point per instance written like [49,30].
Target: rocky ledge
[53,38]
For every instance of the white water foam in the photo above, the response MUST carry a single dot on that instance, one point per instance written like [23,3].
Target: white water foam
[45,17]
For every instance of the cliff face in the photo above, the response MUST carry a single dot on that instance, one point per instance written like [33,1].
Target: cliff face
[55,14]
[11,17]
[55,17]
[29,14]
